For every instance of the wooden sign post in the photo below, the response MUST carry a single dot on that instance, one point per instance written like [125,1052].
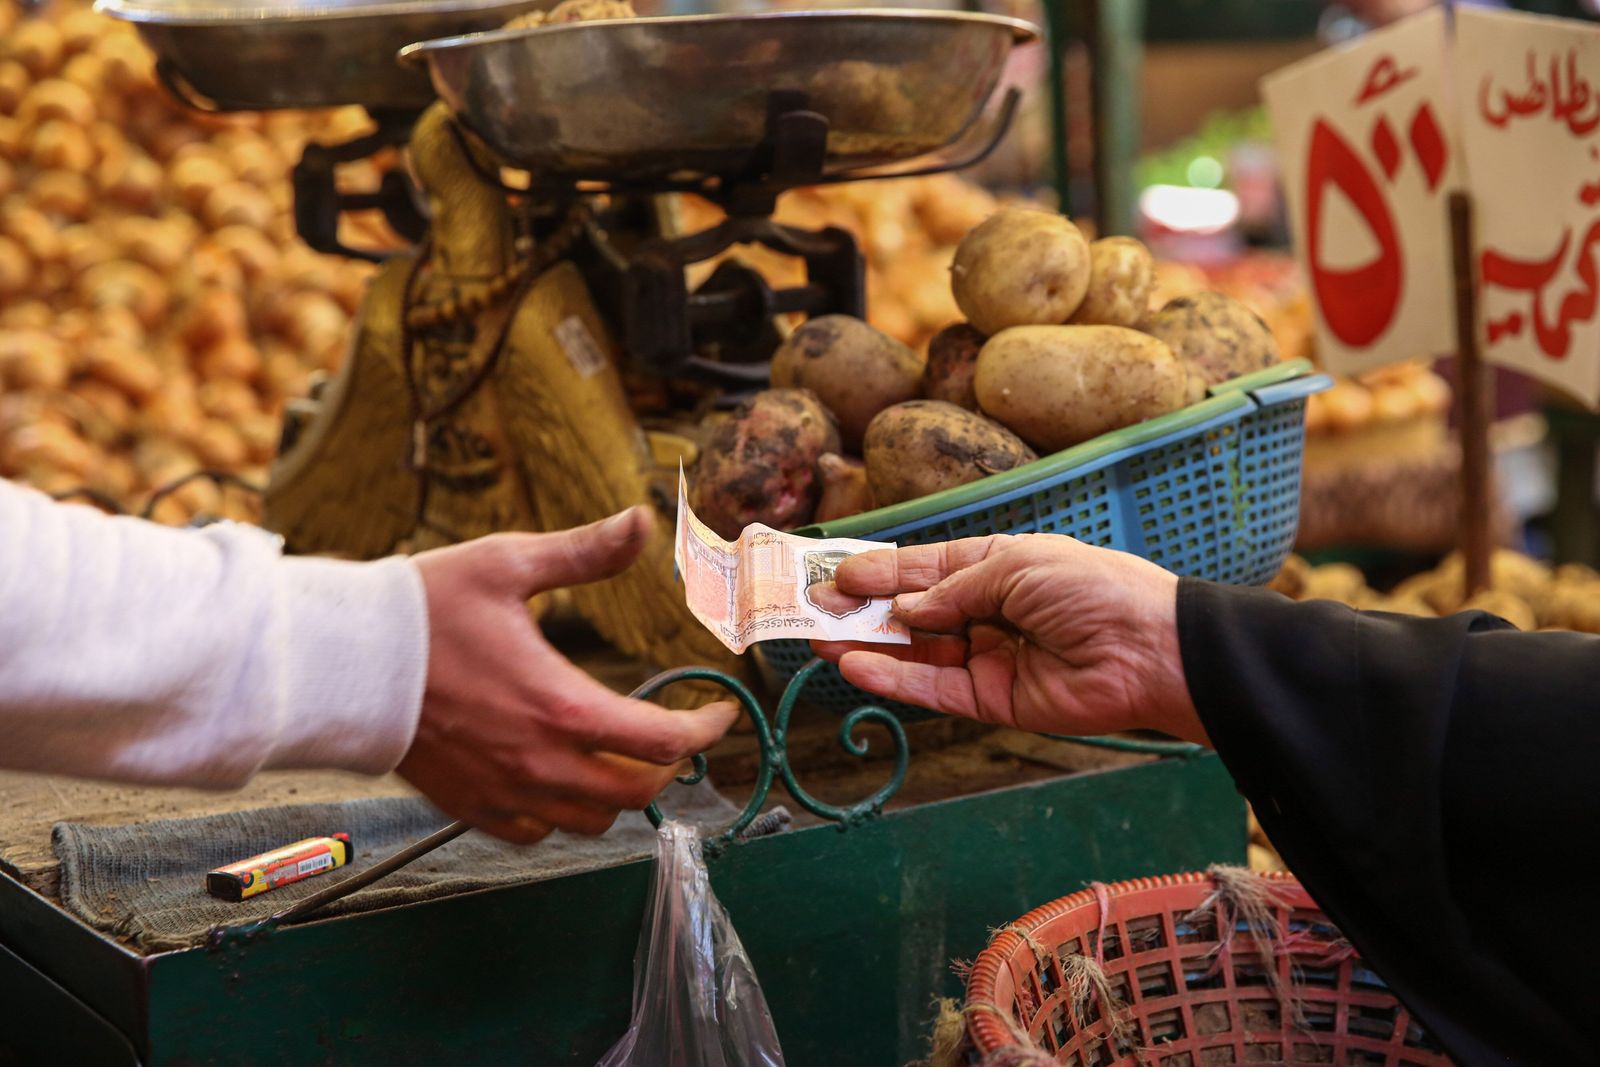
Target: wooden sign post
[1475,392]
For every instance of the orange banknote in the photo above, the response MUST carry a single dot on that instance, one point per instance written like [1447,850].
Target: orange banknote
[769,584]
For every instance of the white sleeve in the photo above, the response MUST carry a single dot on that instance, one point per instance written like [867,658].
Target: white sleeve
[134,652]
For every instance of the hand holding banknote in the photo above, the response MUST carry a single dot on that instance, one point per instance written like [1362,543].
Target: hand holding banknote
[769,584]
[1038,632]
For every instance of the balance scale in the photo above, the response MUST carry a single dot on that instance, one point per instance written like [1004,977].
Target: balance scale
[485,389]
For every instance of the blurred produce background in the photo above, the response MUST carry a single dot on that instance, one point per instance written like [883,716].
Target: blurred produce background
[156,307]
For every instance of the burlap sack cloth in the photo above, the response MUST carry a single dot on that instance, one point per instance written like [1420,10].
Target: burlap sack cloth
[146,882]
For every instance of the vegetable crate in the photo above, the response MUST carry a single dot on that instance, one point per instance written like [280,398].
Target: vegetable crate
[1211,491]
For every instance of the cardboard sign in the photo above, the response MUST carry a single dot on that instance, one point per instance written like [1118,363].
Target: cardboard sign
[1368,158]
[1529,98]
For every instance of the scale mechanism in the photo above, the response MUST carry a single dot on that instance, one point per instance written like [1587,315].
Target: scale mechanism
[736,108]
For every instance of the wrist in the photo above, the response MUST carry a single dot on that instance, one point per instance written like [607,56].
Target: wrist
[1166,704]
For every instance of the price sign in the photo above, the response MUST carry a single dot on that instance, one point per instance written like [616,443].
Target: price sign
[1367,154]
[1529,92]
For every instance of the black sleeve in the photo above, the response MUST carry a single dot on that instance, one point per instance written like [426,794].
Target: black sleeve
[1432,783]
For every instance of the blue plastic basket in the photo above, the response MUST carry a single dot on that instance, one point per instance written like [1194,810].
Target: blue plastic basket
[1212,491]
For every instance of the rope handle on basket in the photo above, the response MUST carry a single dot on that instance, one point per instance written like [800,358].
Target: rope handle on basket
[1102,897]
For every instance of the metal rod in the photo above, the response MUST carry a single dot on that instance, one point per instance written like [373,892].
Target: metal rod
[1133,744]
[1117,56]
[1060,172]
[1476,393]
[349,885]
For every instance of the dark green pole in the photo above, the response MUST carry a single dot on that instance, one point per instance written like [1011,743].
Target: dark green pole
[1116,42]
[1059,35]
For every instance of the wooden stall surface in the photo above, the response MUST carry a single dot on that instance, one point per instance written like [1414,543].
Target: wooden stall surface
[951,759]
[852,933]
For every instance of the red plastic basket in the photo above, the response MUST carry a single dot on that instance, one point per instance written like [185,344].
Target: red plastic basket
[1192,998]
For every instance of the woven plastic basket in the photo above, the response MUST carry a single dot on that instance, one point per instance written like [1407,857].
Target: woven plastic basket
[1191,998]
[1211,491]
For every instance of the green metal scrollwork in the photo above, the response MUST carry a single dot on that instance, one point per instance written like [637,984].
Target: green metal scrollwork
[773,739]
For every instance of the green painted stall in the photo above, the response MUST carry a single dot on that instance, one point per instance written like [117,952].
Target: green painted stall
[852,933]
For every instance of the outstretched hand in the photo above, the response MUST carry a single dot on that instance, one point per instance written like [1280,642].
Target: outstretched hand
[1038,631]
[513,737]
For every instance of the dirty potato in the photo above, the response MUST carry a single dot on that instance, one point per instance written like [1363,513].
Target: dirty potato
[1058,385]
[1122,275]
[1219,337]
[952,361]
[855,370]
[845,489]
[760,465]
[1020,267]
[925,446]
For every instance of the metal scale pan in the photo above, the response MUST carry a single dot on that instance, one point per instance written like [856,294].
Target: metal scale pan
[651,99]
[260,55]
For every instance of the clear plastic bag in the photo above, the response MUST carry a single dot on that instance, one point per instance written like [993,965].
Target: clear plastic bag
[696,1001]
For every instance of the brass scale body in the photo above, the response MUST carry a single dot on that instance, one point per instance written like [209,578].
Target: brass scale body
[499,406]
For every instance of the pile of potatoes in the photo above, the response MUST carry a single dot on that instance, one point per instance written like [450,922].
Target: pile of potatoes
[1071,347]
[1398,394]
[156,307]
[1059,345]
[1525,592]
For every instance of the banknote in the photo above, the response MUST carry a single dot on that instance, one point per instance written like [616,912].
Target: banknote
[769,584]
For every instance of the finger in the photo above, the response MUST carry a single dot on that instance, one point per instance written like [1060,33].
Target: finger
[595,779]
[555,813]
[587,711]
[832,650]
[941,650]
[583,554]
[519,830]
[946,689]
[900,570]
[975,594]
[983,638]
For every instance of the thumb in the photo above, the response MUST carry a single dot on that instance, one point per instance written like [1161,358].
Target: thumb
[582,554]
